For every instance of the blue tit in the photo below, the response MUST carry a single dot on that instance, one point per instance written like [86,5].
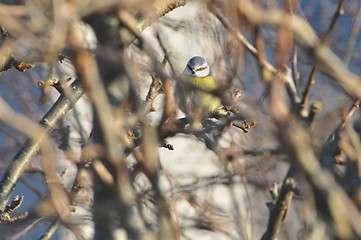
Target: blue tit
[199,86]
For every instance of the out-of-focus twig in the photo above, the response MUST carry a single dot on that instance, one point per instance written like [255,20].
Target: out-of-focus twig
[7,60]
[114,143]
[149,148]
[268,70]
[159,9]
[262,58]
[354,33]
[51,230]
[28,228]
[73,194]
[31,148]
[18,11]
[303,34]
[238,35]
[331,147]
[331,201]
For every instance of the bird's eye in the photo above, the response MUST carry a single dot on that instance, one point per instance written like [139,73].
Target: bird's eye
[201,68]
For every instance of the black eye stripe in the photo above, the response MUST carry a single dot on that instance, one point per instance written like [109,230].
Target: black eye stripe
[192,69]
[200,69]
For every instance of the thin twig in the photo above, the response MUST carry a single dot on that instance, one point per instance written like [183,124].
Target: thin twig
[304,35]
[331,201]
[239,37]
[295,72]
[355,106]
[31,148]
[331,147]
[51,230]
[339,11]
[306,95]
[279,208]
[312,78]
[76,188]
[22,233]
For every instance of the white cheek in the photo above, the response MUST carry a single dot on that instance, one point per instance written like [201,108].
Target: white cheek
[203,73]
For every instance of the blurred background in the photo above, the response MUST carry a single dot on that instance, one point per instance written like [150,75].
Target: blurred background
[210,193]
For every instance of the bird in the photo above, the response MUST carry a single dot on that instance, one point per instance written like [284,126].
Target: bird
[199,88]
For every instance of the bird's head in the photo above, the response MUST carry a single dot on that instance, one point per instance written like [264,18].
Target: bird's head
[197,67]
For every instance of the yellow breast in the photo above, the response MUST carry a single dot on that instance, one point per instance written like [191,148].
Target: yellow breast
[198,98]
[206,83]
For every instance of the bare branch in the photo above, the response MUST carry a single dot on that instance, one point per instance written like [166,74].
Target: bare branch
[31,148]
[279,206]
[312,78]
